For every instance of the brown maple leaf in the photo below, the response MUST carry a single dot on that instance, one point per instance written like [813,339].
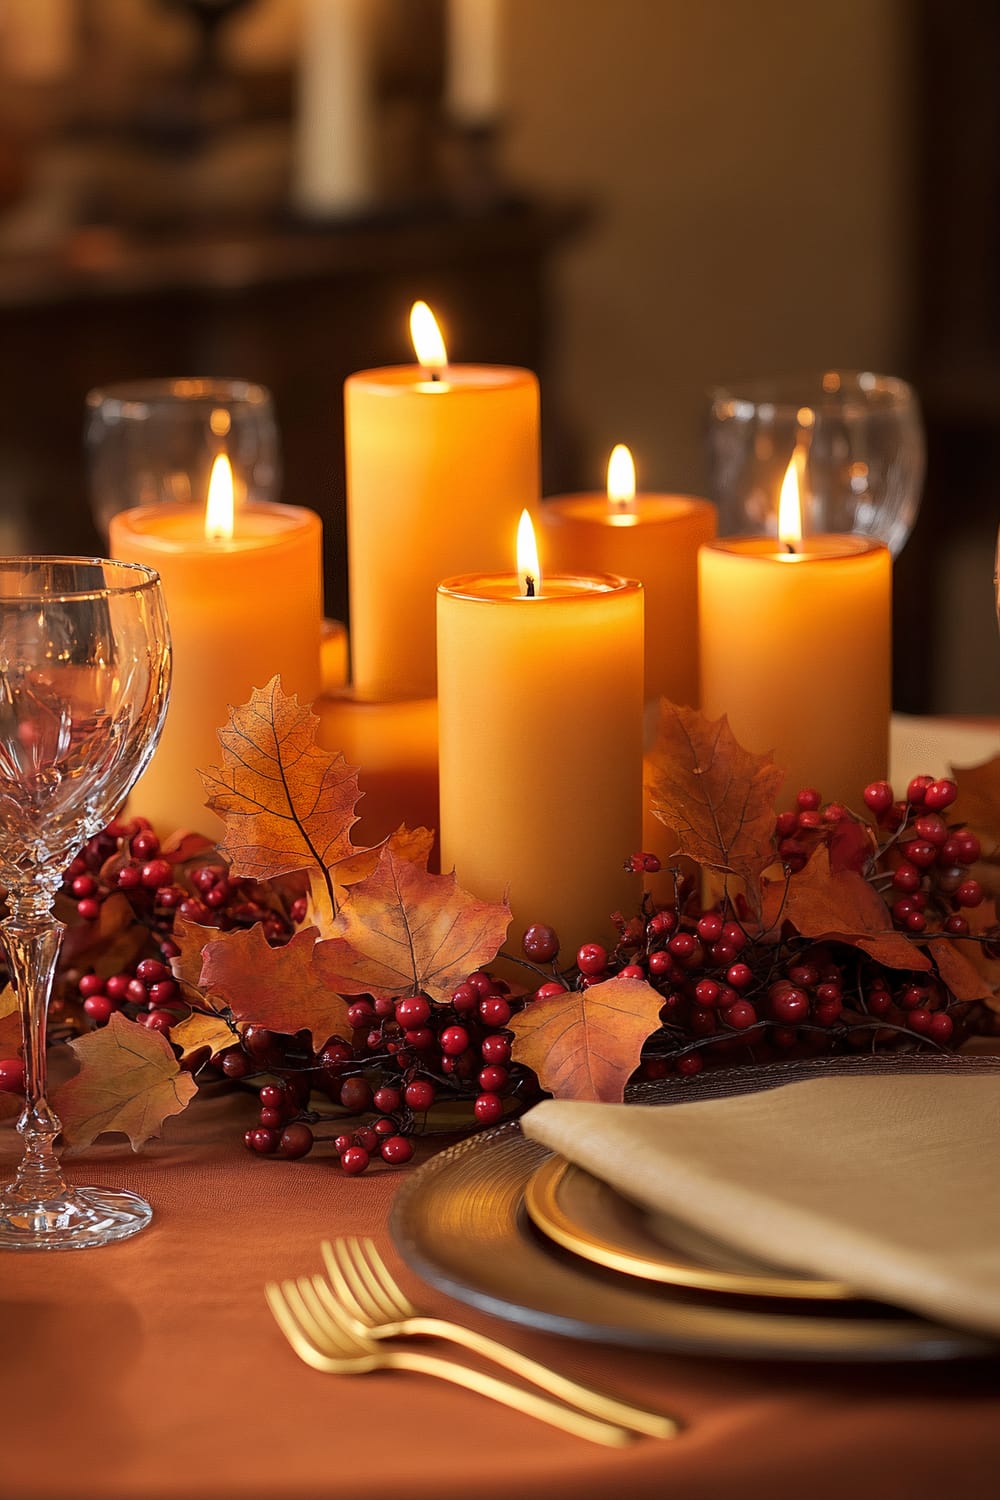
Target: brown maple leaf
[402,930]
[129,1081]
[716,797]
[287,804]
[978,803]
[958,973]
[200,1035]
[840,905]
[585,1044]
[274,987]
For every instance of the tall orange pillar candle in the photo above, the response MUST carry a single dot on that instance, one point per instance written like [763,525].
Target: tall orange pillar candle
[441,459]
[241,608]
[540,745]
[796,649]
[654,538]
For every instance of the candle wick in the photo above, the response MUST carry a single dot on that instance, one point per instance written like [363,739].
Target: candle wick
[435,377]
[790,547]
[529,586]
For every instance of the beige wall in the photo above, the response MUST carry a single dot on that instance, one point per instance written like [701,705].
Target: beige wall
[746,159]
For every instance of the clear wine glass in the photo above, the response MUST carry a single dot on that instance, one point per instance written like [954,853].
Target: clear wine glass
[861,440]
[84,676]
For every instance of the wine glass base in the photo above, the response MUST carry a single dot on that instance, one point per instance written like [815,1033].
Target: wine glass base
[81,1218]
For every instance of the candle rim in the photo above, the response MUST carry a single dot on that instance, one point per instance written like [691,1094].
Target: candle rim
[136,522]
[670,504]
[764,549]
[590,586]
[414,379]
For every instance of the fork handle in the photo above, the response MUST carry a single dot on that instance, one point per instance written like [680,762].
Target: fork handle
[528,1402]
[636,1418]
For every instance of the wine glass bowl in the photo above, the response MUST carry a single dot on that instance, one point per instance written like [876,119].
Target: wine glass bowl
[84,675]
[860,440]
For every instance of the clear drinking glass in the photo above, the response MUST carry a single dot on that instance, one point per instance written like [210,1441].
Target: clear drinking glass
[861,441]
[84,676]
[153,440]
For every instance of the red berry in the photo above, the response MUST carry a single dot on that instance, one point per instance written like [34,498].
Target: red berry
[421,1038]
[787,1003]
[632,971]
[733,934]
[740,1015]
[413,1012]
[809,819]
[549,990]
[827,1014]
[465,999]
[488,1108]
[90,984]
[690,1064]
[682,945]
[906,877]
[342,1143]
[739,976]
[384,1126]
[11,1075]
[454,1040]
[495,1048]
[272,1096]
[661,962]
[296,1140]
[354,1160]
[932,828]
[701,1021]
[706,992]
[919,852]
[920,1019]
[98,1008]
[88,909]
[941,1027]
[494,1010]
[956,925]
[419,1094]
[968,848]
[662,923]
[970,893]
[709,926]
[785,825]
[878,797]
[808,800]
[492,1078]
[366,1138]
[384,1007]
[84,885]
[264,1141]
[235,1063]
[360,1014]
[271,1117]
[386,1099]
[158,1020]
[481,983]
[540,943]
[333,1058]
[917,790]
[940,794]
[592,959]
[156,873]
[356,1095]
[396,1149]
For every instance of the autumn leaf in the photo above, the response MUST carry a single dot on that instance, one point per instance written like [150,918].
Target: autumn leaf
[717,797]
[585,1044]
[129,1081]
[402,930]
[841,905]
[191,939]
[10,1023]
[413,844]
[978,803]
[964,981]
[274,987]
[200,1033]
[287,804]
[110,944]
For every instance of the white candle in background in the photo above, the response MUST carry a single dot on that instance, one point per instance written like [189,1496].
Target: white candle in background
[333,171]
[473,61]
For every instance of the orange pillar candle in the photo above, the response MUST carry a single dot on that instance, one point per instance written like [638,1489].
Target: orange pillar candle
[540,745]
[796,650]
[242,607]
[394,745]
[441,459]
[654,538]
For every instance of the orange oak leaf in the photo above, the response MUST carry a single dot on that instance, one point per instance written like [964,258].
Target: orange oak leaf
[402,930]
[191,938]
[413,844]
[717,797]
[200,1034]
[585,1044]
[961,977]
[129,1082]
[840,904]
[978,802]
[287,804]
[275,987]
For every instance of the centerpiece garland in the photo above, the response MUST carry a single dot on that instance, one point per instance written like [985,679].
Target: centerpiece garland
[352,988]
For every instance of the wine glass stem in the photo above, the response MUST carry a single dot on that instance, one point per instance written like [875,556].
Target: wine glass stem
[32,938]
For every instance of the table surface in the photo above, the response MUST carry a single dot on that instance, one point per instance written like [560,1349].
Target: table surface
[153,1368]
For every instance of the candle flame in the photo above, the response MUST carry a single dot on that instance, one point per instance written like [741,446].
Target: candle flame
[529,573]
[427,340]
[621,479]
[219,507]
[790,508]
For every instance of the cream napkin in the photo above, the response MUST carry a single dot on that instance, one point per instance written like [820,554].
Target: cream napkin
[891,1184]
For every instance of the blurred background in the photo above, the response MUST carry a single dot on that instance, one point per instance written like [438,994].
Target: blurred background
[638,200]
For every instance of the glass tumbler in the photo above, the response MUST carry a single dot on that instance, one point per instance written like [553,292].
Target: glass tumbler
[857,439]
[156,440]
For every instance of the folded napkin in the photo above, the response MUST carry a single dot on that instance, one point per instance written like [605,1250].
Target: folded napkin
[891,1184]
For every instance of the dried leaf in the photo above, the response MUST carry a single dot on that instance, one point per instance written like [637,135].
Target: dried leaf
[978,802]
[585,1044]
[840,905]
[958,973]
[129,1081]
[199,1033]
[287,804]
[716,796]
[274,987]
[402,930]
[10,1023]
[110,944]
[191,938]
[413,844]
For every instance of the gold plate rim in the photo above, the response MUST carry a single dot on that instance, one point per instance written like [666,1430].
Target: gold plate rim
[542,1205]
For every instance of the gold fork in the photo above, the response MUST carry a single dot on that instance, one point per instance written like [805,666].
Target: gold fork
[333,1348]
[377,1308]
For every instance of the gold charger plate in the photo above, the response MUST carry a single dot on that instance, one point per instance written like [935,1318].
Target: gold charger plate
[589,1218]
[459,1221]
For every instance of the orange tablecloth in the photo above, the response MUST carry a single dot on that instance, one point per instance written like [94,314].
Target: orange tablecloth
[153,1369]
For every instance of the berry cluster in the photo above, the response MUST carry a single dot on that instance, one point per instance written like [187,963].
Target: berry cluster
[731,991]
